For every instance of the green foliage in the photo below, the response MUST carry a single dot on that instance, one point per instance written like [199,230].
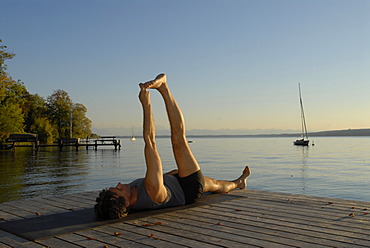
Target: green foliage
[4,55]
[36,119]
[11,120]
[34,108]
[12,99]
[22,112]
[80,123]
[94,136]
[59,110]
[45,130]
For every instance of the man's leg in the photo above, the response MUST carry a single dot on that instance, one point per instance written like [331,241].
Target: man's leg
[217,186]
[185,160]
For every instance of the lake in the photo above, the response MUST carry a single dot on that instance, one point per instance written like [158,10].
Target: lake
[336,167]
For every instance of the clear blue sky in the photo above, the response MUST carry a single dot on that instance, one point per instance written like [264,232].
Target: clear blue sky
[231,64]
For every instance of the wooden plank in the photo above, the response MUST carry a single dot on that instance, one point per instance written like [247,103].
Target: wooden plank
[4,234]
[91,194]
[133,226]
[280,220]
[10,240]
[134,236]
[136,227]
[111,239]
[17,212]
[67,203]
[57,243]
[83,198]
[358,229]
[32,206]
[2,245]
[73,201]
[290,234]
[81,241]
[244,237]
[334,204]
[56,206]
[320,216]
[305,199]
[5,216]
[199,233]
[323,213]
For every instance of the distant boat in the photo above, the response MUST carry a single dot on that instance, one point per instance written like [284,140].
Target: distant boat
[133,135]
[304,140]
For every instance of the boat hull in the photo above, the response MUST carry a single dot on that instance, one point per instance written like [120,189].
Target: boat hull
[301,142]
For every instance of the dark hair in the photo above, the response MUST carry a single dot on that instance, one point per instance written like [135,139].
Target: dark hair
[109,206]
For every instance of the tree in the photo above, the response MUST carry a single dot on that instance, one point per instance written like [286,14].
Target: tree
[36,119]
[80,123]
[11,120]
[12,98]
[44,128]
[59,110]
[35,107]
[4,55]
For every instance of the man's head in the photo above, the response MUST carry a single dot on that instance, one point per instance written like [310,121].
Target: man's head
[110,205]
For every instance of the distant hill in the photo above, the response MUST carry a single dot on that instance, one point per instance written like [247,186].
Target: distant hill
[348,132]
[333,133]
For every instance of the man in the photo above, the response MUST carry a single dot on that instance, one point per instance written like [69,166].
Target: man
[179,187]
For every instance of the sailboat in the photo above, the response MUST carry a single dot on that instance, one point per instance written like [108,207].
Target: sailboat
[304,140]
[132,136]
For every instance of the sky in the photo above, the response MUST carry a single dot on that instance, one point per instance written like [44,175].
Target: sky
[231,65]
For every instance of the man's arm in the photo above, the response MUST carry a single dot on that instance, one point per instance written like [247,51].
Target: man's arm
[154,184]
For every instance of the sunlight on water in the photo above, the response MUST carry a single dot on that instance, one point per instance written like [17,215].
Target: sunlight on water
[334,167]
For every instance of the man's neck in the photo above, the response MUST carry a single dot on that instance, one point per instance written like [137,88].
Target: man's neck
[133,196]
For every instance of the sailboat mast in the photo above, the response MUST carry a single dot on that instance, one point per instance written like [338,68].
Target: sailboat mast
[304,127]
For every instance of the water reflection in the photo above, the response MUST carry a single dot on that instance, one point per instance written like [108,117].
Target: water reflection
[27,173]
[303,166]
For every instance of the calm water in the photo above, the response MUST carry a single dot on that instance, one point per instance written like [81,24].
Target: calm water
[335,167]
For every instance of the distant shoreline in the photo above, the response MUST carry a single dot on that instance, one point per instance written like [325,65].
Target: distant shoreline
[334,133]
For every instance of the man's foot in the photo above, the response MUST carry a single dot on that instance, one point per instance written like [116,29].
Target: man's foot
[159,82]
[242,180]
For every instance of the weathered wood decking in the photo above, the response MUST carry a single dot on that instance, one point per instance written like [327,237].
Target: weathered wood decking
[243,218]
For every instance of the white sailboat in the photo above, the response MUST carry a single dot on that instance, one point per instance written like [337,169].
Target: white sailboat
[304,137]
[133,135]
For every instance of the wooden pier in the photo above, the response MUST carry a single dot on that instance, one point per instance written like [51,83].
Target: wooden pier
[242,218]
[18,140]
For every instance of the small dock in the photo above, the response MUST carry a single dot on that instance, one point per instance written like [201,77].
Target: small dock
[242,218]
[31,140]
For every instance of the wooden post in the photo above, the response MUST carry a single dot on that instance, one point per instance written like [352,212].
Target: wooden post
[60,144]
[77,144]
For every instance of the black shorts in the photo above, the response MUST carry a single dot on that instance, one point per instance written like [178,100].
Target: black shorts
[192,186]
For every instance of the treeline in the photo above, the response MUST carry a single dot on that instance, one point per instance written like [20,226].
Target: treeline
[52,118]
